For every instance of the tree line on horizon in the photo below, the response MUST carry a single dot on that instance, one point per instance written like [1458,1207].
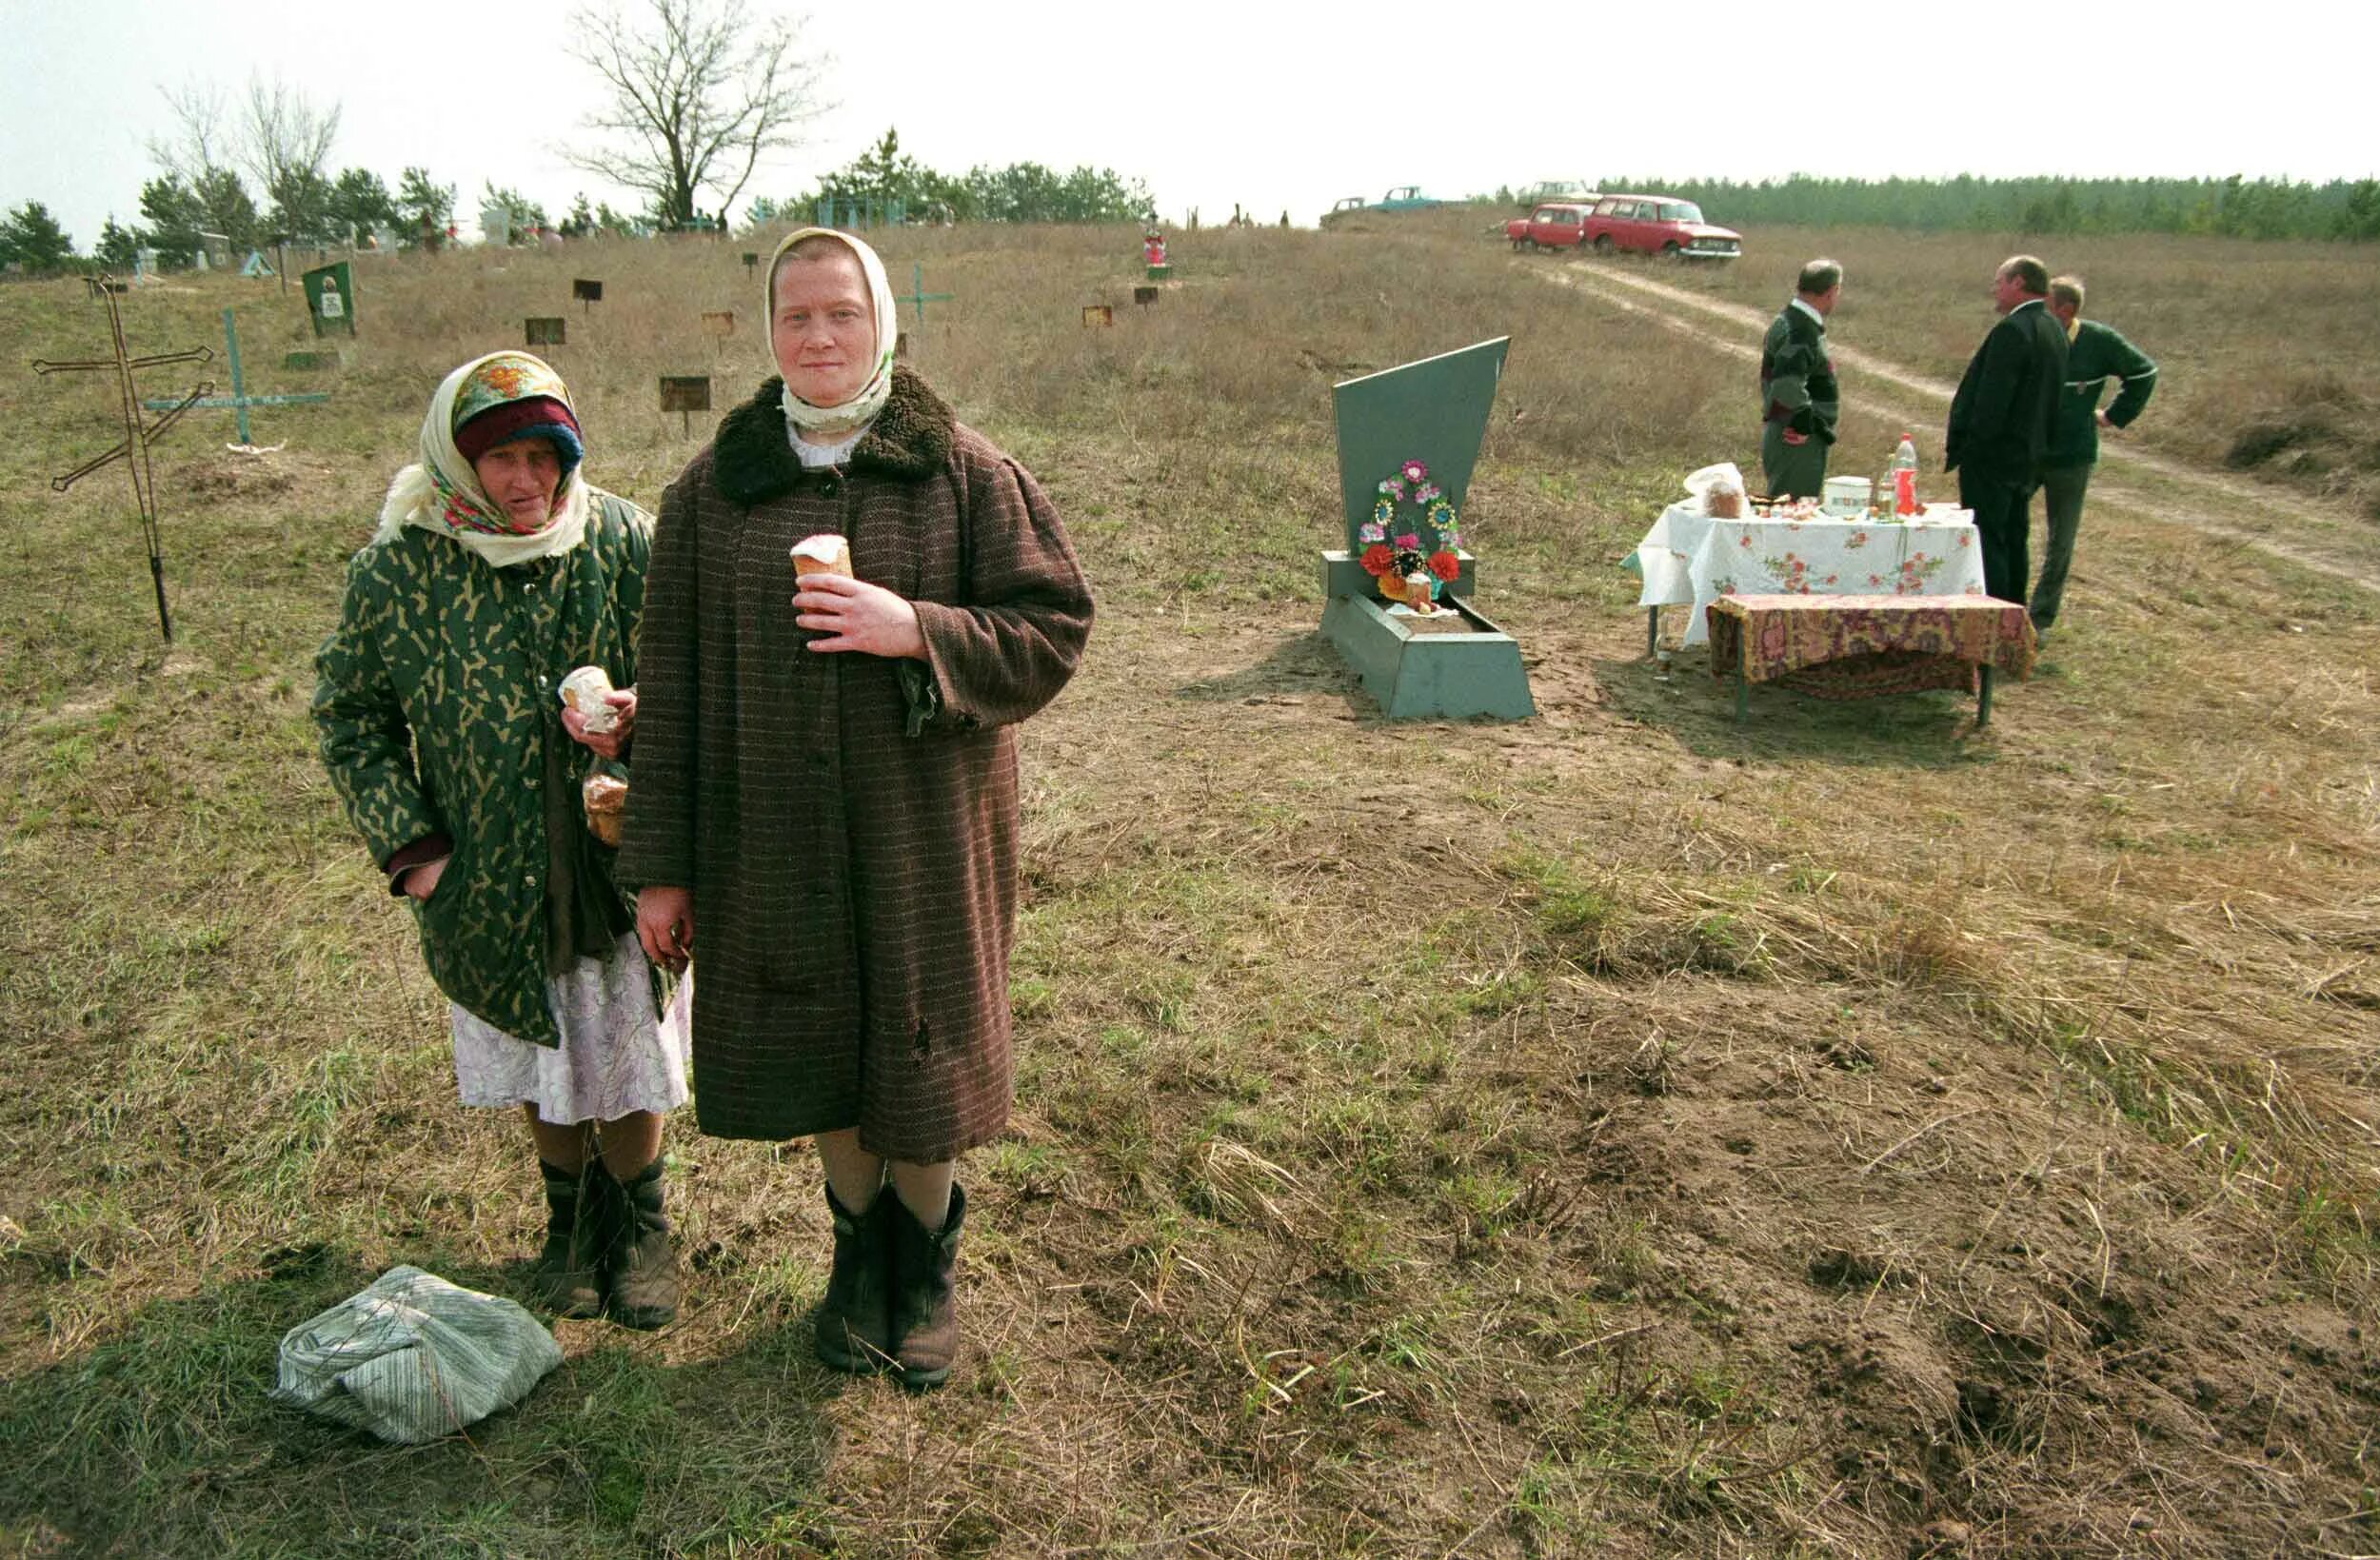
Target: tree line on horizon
[2235,207]
[883,178]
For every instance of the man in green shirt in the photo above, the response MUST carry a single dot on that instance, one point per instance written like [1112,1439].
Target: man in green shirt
[2095,355]
[1799,399]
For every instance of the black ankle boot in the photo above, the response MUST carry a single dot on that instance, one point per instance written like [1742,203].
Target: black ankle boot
[567,1277]
[853,1328]
[639,1270]
[925,1311]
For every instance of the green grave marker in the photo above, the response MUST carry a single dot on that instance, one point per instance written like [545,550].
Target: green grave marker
[1434,411]
[239,401]
[916,295]
[330,298]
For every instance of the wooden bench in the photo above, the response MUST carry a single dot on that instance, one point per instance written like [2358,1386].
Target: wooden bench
[1860,647]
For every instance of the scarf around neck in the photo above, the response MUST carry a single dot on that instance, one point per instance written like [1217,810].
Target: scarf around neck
[857,411]
[441,493]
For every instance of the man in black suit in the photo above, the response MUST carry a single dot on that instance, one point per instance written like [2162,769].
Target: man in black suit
[2000,419]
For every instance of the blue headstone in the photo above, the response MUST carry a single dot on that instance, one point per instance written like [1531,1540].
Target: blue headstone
[1435,411]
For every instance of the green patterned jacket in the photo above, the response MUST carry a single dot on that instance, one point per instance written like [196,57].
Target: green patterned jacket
[436,698]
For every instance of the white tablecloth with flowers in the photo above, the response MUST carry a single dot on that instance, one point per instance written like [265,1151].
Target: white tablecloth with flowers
[1688,557]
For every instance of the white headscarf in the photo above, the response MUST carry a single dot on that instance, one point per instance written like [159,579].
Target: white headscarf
[441,492]
[800,414]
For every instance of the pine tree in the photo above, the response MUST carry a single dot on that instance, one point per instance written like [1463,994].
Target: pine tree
[426,206]
[31,239]
[118,248]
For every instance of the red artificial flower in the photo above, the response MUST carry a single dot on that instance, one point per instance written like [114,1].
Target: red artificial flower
[1446,566]
[1376,558]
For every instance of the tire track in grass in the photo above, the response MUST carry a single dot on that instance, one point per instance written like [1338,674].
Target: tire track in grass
[1659,302]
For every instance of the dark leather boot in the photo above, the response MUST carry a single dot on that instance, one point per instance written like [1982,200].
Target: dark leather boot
[853,1321]
[925,1315]
[567,1277]
[639,1270]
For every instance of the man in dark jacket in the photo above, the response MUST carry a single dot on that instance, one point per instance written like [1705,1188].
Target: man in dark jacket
[2095,353]
[1999,428]
[1799,399]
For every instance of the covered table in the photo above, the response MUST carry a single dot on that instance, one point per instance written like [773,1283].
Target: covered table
[1856,646]
[1690,558]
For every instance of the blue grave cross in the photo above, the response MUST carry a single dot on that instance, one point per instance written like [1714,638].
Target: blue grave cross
[239,400]
[918,296]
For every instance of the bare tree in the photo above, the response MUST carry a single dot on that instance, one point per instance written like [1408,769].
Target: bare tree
[278,138]
[200,144]
[284,141]
[698,92]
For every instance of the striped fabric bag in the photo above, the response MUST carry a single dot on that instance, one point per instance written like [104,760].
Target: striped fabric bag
[414,1358]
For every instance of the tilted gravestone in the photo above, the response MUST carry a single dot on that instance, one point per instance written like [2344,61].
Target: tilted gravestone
[330,297]
[1408,438]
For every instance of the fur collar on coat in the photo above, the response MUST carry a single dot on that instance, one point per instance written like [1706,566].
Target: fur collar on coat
[752,463]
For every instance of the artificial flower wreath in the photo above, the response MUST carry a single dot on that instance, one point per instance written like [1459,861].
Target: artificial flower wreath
[1393,556]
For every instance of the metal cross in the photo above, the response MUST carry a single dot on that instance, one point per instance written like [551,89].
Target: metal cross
[239,400]
[138,436]
[919,296]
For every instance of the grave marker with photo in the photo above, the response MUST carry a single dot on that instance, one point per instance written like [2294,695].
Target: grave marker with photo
[586,292]
[330,297]
[544,330]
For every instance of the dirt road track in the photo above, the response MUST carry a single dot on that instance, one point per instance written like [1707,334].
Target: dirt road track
[1676,309]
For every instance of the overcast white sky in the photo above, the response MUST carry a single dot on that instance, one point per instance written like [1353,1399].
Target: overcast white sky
[1277,106]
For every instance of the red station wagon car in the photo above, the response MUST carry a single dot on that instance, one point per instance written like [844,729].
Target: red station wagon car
[1661,224]
[1557,225]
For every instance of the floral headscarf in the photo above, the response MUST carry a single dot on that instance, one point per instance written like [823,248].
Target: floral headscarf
[442,493]
[870,400]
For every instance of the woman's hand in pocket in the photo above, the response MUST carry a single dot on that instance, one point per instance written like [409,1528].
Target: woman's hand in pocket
[423,881]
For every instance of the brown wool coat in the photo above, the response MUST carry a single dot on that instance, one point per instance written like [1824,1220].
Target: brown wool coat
[854,884]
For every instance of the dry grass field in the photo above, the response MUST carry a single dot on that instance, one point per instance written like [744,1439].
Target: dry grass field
[1841,1134]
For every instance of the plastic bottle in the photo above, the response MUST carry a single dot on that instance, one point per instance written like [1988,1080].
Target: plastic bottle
[1905,477]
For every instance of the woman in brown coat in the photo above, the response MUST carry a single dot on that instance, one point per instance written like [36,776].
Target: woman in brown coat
[826,782]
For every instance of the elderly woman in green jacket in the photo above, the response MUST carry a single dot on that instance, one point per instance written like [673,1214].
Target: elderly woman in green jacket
[497,570]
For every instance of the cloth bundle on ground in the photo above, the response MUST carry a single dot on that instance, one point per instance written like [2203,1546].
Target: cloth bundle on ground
[414,1358]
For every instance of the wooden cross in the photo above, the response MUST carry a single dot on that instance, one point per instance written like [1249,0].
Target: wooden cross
[239,400]
[919,296]
[138,436]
